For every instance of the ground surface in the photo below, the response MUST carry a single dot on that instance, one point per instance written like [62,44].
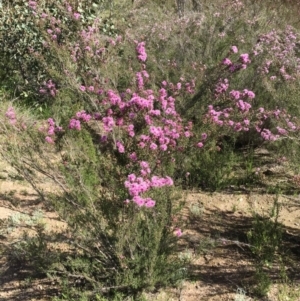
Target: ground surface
[215,240]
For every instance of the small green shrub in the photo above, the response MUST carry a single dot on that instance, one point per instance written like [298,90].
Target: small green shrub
[31,250]
[265,239]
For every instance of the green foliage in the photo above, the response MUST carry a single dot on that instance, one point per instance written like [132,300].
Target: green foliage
[263,282]
[25,58]
[212,169]
[31,249]
[265,239]
[266,235]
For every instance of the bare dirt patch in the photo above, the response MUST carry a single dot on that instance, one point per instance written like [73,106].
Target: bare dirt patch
[222,266]
[20,208]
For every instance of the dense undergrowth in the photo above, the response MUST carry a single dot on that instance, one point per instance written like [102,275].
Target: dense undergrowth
[123,105]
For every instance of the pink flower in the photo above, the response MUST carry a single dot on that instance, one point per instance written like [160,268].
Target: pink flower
[120,147]
[178,232]
[234,49]
[245,58]
[10,113]
[139,80]
[108,123]
[230,123]
[51,122]
[139,201]
[153,146]
[144,164]
[246,121]
[163,147]
[238,127]
[77,16]
[131,133]
[142,144]
[133,157]
[49,140]
[82,88]
[149,203]
[235,94]
[250,94]
[281,131]
[131,177]
[75,124]
[168,181]
[51,131]
[200,144]
[32,4]
[141,51]
[227,62]
[187,134]
[204,136]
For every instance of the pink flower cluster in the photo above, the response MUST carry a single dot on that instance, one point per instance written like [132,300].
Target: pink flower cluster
[32,4]
[77,16]
[282,116]
[163,123]
[146,202]
[267,135]
[223,117]
[221,87]
[203,138]
[234,49]
[140,76]
[144,120]
[48,88]
[242,117]
[279,48]
[120,147]
[52,129]
[178,232]
[244,60]
[11,115]
[244,94]
[141,51]
[138,185]
[75,122]
[82,115]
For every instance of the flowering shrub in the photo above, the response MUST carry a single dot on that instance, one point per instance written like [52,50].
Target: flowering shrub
[129,116]
[117,148]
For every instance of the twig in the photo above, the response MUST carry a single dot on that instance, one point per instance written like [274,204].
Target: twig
[291,198]
[236,242]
